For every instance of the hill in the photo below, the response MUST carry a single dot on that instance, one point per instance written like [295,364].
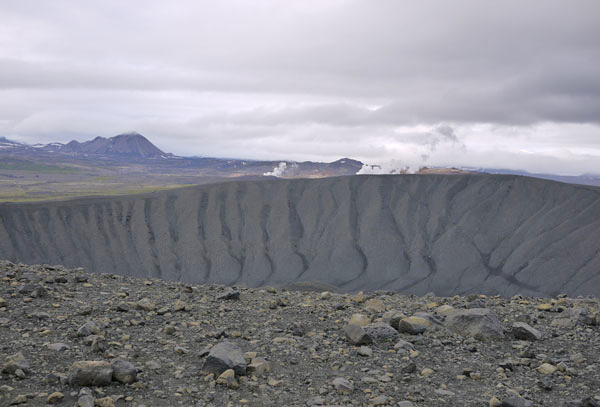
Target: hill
[131,144]
[448,234]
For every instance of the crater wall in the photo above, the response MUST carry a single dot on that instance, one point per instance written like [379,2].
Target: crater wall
[447,234]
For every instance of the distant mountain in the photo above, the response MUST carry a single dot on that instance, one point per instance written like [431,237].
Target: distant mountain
[583,179]
[130,144]
[133,148]
[6,144]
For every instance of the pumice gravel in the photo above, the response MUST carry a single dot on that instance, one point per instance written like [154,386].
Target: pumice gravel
[70,338]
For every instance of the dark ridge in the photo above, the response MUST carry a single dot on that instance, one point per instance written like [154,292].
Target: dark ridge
[130,144]
[448,234]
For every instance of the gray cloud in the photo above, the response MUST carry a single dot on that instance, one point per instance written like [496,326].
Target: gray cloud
[311,79]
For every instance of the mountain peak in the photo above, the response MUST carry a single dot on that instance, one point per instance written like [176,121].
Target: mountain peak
[129,134]
[5,140]
[131,144]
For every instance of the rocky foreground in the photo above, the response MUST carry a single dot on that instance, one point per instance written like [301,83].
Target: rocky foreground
[71,338]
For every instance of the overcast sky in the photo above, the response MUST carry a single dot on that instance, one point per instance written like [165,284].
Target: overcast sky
[505,84]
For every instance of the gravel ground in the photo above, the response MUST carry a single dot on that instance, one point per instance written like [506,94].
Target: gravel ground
[153,343]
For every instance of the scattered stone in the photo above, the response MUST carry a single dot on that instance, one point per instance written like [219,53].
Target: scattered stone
[32,290]
[145,304]
[379,400]
[58,347]
[225,355]
[229,295]
[410,368]
[587,402]
[402,344]
[259,366]
[374,305]
[426,372]
[546,368]
[413,325]
[89,328]
[123,307]
[124,371]
[495,402]
[104,402]
[15,363]
[381,332]
[359,319]
[480,323]
[444,309]
[516,402]
[294,353]
[523,331]
[20,399]
[90,373]
[356,335]
[343,385]
[227,378]
[55,397]
[86,400]
[180,306]
[544,307]
[393,318]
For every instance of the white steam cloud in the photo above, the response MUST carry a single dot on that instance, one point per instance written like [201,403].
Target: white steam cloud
[390,167]
[277,171]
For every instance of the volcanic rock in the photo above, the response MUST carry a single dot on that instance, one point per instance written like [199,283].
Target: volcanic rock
[480,323]
[521,330]
[90,373]
[225,355]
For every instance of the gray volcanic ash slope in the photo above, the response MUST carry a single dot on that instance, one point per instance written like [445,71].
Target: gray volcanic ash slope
[494,234]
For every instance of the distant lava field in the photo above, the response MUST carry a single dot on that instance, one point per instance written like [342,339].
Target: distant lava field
[447,234]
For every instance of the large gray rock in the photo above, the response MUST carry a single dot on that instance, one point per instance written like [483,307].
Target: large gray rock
[570,318]
[15,362]
[413,325]
[342,385]
[356,335]
[516,402]
[480,323]
[90,373]
[525,332]
[87,329]
[381,332]
[393,318]
[225,355]
[124,371]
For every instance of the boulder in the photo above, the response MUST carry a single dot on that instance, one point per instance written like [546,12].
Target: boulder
[359,319]
[525,332]
[14,363]
[90,373]
[229,295]
[343,385]
[393,318]
[124,372]
[87,329]
[381,332]
[480,323]
[356,335]
[374,305]
[145,304]
[225,355]
[413,325]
